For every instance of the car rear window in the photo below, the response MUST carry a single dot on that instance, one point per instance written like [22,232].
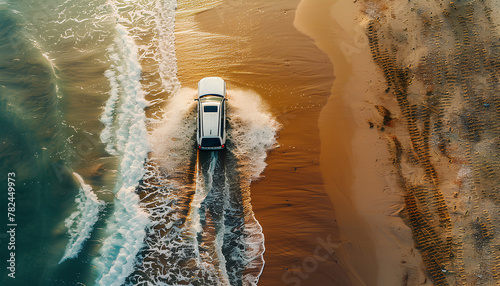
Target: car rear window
[210,108]
[210,142]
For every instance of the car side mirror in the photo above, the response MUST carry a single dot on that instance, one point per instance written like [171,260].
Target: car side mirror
[196,99]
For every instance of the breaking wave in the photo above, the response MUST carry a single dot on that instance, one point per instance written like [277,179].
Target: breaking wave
[145,36]
[81,222]
[124,134]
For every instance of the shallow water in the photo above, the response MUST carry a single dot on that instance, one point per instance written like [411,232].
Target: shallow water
[96,128]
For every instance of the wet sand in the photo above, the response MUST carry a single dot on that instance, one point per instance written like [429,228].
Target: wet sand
[254,45]
[381,176]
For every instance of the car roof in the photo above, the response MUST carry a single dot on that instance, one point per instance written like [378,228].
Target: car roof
[211,120]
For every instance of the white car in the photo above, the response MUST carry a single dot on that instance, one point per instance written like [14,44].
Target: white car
[211,121]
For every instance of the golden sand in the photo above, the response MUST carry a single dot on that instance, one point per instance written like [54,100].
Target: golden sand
[426,81]
[354,156]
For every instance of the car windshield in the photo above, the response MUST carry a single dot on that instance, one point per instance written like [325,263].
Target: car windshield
[210,142]
[211,98]
[211,95]
[210,108]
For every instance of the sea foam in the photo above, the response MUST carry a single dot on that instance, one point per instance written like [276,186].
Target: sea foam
[203,230]
[125,135]
[171,136]
[81,222]
[253,130]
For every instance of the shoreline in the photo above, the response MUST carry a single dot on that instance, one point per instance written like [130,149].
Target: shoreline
[336,133]
[365,194]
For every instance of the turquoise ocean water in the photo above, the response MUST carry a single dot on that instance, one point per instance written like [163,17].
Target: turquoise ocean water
[51,85]
[95,133]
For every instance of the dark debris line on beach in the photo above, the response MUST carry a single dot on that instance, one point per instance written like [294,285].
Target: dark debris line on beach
[456,119]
